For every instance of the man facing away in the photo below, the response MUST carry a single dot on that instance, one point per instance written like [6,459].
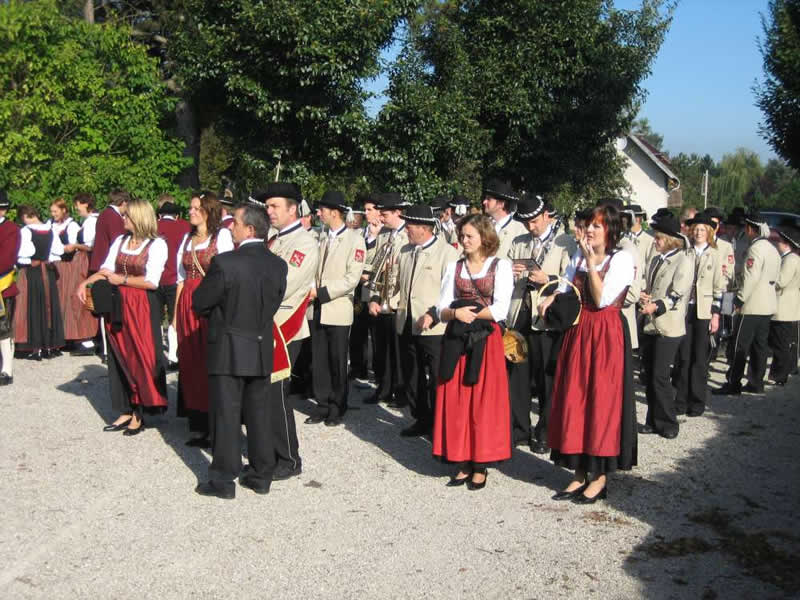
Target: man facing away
[240,295]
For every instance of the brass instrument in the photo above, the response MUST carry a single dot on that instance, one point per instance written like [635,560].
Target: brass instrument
[381,280]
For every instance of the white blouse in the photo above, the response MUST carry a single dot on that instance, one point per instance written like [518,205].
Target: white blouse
[27,249]
[156,259]
[70,225]
[618,277]
[89,227]
[503,287]
[224,244]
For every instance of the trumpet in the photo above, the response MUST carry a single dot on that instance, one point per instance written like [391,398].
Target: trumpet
[381,280]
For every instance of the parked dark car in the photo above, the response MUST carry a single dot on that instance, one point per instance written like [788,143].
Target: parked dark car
[777,218]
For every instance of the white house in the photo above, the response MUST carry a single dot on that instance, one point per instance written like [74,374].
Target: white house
[653,183]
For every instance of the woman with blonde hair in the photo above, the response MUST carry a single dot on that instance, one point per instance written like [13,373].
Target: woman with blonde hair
[136,364]
[702,318]
[472,422]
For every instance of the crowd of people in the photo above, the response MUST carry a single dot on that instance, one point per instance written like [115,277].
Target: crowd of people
[459,315]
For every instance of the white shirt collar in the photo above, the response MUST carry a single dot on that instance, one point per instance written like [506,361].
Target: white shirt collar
[426,244]
[116,208]
[251,241]
[333,234]
[499,225]
[168,217]
[291,227]
[698,250]
[546,234]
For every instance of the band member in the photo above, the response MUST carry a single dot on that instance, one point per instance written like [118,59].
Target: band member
[172,229]
[195,252]
[38,324]
[538,257]
[363,323]
[663,305]
[756,302]
[86,323]
[642,239]
[299,250]
[472,414]
[108,228]
[420,268]
[783,327]
[356,215]
[727,264]
[9,248]
[386,355]
[240,339]
[447,225]
[499,202]
[136,364]
[702,318]
[592,428]
[342,254]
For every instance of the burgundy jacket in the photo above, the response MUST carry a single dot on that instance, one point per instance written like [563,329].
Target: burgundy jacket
[9,248]
[172,230]
[109,227]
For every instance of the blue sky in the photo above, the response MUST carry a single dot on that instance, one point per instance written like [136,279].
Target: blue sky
[699,93]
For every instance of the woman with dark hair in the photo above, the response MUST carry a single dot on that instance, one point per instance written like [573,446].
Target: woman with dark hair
[592,429]
[79,323]
[206,240]
[136,364]
[473,412]
[38,324]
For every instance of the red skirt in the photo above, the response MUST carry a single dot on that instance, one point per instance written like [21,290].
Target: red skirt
[79,323]
[588,387]
[473,423]
[192,342]
[134,348]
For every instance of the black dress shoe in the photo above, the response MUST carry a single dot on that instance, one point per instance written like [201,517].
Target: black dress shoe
[6,379]
[282,473]
[646,429]
[333,421]
[120,427]
[695,413]
[670,435]
[314,419]
[565,495]
[55,353]
[209,489]
[538,446]
[259,487]
[780,382]
[471,485]
[172,366]
[415,430]
[727,390]
[583,499]
[753,389]
[199,442]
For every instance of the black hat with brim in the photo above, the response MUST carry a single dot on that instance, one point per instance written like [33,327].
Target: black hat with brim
[715,213]
[440,203]
[391,201]
[502,190]
[280,189]
[4,203]
[662,213]
[333,199]
[419,214]
[787,237]
[702,218]
[669,225]
[530,207]
[636,210]
[754,218]
[736,216]
[582,214]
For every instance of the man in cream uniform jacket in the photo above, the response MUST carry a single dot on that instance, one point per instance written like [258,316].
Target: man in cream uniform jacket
[341,261]
[669,281]
[552,250]
[499,202]
[420,268]
[290,241]
[642,239]
[756,300]
[386,357]
[783,328]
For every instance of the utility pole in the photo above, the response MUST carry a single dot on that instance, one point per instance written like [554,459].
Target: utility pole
[705,190]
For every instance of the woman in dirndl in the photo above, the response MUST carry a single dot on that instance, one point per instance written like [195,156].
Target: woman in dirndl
[207,239]
[136,362]
[592,429]
[472,422]
[38,324]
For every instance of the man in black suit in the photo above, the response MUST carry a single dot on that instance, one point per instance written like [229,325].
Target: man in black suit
[240,295]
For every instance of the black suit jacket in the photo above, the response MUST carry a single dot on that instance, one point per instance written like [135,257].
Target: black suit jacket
[240,294]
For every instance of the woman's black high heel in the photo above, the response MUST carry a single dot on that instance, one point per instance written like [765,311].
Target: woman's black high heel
[564,495]
[471,485]
[458,481]
[583,499]
[128,431]
[118,427]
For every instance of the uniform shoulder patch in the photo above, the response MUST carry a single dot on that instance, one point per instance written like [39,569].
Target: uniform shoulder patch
[730,259]
[750,262]
[297,258]
[359,255]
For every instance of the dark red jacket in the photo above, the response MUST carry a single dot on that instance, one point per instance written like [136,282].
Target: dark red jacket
[109,227]
[9,248]
[172,230]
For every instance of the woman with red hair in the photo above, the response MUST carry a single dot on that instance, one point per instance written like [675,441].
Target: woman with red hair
[592,428]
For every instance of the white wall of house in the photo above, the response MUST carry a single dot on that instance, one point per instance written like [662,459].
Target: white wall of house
[648,182]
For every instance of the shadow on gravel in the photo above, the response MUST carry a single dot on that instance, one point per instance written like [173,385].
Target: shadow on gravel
[724,516]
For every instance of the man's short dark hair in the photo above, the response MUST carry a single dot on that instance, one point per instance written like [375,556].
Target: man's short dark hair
[118,197]
[255,217]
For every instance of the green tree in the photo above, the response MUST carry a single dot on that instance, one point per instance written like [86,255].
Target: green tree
[533,90]
[737,183]
[81,109]
[778,96]
[643,129]
[690,169]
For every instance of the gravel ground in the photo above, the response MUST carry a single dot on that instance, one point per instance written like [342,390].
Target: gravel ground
[712,514]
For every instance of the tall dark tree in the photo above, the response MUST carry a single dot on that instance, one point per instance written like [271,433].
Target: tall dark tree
[778,96]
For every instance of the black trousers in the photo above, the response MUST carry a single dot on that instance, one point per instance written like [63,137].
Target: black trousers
[234,400]
[730,346]
[420,363]
[751,341]
[691,366]
[301,370]
[519,389]
[540,345]
[284,430]
[329,359]
[783,343]
[166,295]
[359,339]
[386,359]
[658,354]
